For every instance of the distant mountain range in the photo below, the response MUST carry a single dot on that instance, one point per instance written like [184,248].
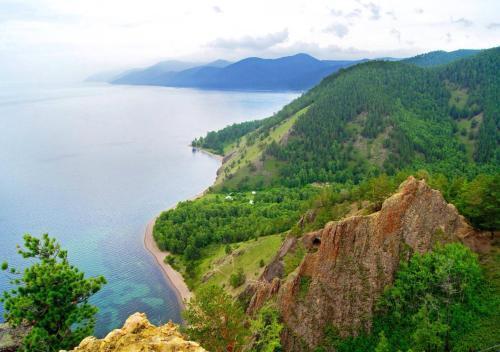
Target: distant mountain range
[161,73]
[297,72]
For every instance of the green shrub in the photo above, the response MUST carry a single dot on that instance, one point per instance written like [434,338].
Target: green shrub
[266,330]
[293,259]
[238,278]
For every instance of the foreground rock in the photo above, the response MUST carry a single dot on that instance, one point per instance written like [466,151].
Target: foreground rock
[350,262]
[138,334]
[11,338]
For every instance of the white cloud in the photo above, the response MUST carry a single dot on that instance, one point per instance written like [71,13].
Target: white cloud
[392,15]
[463,22]
[336,13]
[339,29]
[396,33]
[40,39]
[374,9]
[248,42]
[354,13]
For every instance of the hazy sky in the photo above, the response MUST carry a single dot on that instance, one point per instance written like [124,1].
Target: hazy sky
[69,39]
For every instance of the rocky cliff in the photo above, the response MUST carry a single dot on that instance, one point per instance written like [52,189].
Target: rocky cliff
[349,263]
[138,334]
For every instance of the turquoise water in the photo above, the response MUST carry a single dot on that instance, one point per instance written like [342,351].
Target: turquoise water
[92,164]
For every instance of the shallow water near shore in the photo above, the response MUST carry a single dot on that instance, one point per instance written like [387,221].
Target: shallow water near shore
[92,164]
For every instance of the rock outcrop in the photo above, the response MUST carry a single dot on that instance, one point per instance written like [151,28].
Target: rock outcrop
[139,335]
[11,337]
[339,281]
[257,293]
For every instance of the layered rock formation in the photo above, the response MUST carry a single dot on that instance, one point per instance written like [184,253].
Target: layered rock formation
[351,261]
[138,334]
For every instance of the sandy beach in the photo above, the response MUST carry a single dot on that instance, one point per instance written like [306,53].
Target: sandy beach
[171,275]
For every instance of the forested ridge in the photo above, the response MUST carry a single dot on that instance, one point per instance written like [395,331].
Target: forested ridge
[411,105]
[383,117]
[350,141]
[439,57]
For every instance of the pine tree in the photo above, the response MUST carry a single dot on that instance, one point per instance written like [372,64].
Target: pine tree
[51,296]
[215,320]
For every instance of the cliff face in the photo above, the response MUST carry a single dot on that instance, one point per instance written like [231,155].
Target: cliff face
[351,261]
[138,334]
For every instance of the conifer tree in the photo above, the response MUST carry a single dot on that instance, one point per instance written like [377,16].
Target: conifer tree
[51,297]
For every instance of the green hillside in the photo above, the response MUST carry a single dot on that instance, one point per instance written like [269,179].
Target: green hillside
[376,117]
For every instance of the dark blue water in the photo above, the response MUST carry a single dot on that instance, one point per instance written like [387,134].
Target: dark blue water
[91,165]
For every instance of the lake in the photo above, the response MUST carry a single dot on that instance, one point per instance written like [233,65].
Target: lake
[92,164]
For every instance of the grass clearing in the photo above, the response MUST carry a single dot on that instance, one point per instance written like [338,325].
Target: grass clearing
[466,128]
[216,266]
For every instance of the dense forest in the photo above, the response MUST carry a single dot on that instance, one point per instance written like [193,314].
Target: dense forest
[240,216]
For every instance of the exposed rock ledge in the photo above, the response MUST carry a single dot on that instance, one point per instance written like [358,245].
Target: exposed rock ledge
[139,335]
[339,281]
[11,338]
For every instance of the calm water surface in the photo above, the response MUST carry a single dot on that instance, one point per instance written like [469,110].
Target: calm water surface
[92,164]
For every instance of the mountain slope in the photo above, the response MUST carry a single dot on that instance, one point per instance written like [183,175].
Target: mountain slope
[296,72]
[378,117]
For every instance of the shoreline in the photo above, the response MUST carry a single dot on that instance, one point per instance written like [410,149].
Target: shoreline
[209,153]
[172,276]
